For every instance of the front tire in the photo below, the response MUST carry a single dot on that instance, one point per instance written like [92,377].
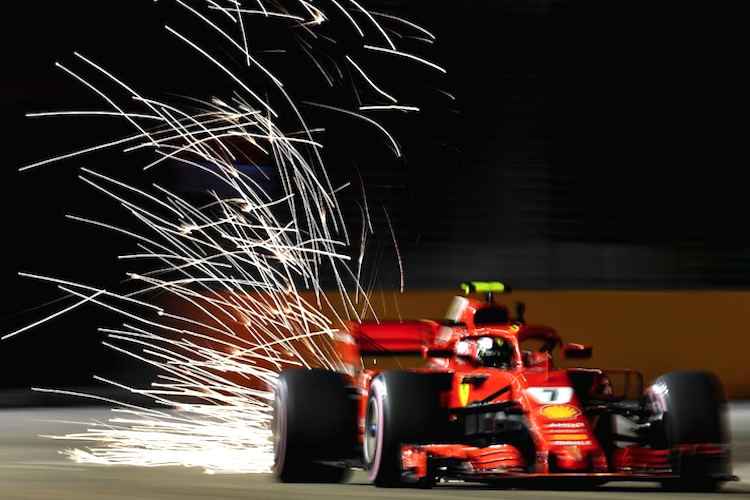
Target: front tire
[314,427]
[688,408]
[402,408]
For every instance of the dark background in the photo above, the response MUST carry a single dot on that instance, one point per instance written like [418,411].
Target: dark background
[590,145]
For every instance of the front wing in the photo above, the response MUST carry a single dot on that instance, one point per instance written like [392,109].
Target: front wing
[503,461]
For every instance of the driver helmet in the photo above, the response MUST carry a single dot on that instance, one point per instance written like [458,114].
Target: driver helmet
[493,352]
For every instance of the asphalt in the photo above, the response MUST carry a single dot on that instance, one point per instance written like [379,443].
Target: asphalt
[31,468]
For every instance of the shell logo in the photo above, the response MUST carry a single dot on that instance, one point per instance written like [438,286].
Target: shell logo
[560,412]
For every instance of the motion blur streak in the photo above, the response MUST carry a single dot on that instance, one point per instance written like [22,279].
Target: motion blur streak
[236,265]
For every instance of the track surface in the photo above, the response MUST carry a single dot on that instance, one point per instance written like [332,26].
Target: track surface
[32,469]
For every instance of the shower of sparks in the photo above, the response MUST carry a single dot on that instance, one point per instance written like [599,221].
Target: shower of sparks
[233,269]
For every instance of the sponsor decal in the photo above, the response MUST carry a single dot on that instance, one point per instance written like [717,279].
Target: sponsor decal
[569,443]
[564,425]
[570,437]
[548,395]
[463,393]
[560,412]
[565,431]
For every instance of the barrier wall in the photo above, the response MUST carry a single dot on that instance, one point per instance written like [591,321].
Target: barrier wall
[654,332]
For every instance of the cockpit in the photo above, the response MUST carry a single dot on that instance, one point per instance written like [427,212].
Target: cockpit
[493,352]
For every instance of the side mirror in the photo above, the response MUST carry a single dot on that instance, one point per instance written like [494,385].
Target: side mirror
[577,351]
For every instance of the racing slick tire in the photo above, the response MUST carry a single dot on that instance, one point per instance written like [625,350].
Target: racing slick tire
[402,408]
[689,408]
[314,427]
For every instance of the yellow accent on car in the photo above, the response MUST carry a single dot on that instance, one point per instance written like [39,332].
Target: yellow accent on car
[463,393]
[559,412]
[483,287]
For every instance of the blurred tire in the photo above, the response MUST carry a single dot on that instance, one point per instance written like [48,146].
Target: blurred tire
[314,427]
[689,408]
[402,408]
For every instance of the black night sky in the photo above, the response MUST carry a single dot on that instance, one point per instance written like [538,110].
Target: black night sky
[589,145]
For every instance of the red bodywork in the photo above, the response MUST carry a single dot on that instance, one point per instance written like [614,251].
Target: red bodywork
[562,428]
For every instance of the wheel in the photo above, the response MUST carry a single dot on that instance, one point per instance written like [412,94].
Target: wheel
[402,408]
[314,427]
[688,408]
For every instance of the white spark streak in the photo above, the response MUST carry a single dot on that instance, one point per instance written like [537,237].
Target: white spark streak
[223,68]
[398,253]
[388,108]
[90,113]
[406,55]
[50,317]
[213,5]
[75,153]
[104,96]
[406,22]
[244,34]
[375,23]
[396,148]
[237,45]
[349,17]
[368,80]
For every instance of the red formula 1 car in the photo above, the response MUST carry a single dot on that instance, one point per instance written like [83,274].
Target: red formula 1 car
[489,405]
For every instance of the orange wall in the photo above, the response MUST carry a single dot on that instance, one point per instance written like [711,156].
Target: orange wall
[654,332]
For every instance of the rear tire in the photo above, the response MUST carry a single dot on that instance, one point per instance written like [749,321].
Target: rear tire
[314,427]
[688,408]
[402,408]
